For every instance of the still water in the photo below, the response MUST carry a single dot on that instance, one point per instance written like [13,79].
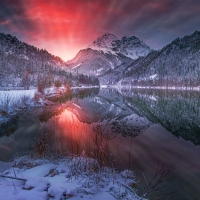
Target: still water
[138,130]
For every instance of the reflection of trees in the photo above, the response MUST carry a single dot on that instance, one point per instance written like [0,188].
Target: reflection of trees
[104,130]
[109,129]
[49,113]
[79,93]
[176,111]
[127,129]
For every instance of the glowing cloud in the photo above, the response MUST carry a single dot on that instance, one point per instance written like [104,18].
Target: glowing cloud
[64,27]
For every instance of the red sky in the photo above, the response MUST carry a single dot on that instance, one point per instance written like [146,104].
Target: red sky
[63,27]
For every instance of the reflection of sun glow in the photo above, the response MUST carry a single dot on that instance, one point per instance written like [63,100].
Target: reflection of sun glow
[71,125]
[76,135]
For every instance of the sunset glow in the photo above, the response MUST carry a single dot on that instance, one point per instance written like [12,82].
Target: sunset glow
[64,27]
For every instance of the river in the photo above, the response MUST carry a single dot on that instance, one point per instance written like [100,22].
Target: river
[136,129]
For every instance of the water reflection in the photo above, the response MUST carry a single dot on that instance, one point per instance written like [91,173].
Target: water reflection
[176,111]
[128,129]
[79,93]
[9,127]
[73,135]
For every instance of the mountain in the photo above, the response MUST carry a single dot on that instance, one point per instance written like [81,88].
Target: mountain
[11,46]
[104,43]
[18,58]
[94,62]
[177,64]
[23,65]
[106,53]
[131,47]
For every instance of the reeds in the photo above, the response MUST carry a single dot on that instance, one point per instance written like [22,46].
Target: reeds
[9,103]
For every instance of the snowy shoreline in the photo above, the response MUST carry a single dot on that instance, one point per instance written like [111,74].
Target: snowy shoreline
[12,101]
[150,87]
[74,177]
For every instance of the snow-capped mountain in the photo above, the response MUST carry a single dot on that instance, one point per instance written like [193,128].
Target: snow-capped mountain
[104,43]
[131,47]
[176,64]
[94,62]
[106,53]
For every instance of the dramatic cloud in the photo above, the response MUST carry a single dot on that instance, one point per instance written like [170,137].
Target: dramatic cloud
[65,26]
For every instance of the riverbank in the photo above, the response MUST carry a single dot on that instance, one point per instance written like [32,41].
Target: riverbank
[129,87]
[70,177]
[13,101]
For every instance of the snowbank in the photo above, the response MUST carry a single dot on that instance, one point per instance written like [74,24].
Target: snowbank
[18,93]
[72,177]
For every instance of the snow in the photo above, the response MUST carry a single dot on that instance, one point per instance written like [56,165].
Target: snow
[69,177]
[131,47]
[103,86]
[14,99]
[152,98]
[104,43]
[99,71]
[76,66]
[112,65]
[17,94]
[153,76]
[156,87]
[77,106]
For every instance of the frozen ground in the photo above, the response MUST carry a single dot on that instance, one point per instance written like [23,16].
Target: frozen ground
[76,178]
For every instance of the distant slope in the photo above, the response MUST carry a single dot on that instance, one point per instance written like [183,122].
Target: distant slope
[177,64]
[18,58]
[93,62]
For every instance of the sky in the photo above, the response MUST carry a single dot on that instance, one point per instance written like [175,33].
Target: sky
[63,27]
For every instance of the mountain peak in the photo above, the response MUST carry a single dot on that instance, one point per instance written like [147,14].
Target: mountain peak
[103,42]
[130,46]
[107,36]
[129,37]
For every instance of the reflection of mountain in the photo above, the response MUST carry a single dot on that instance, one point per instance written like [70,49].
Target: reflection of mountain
[108,109]
[131,112]
[177,112]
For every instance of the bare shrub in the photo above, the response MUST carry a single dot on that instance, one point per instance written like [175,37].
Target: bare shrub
[57,83]
[24,101]
[155,185]
[6,102]
[37,96]
[41,145]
